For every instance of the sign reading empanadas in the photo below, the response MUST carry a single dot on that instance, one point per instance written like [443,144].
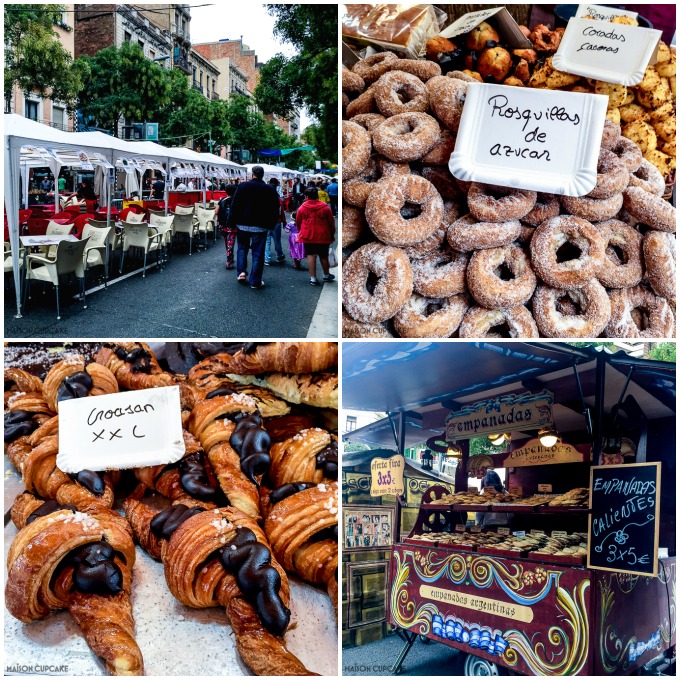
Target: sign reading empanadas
[120,430]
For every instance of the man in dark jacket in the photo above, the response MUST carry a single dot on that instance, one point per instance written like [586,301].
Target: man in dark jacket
[254,211]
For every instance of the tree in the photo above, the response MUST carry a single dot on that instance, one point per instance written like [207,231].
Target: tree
[662,351]
[308,79]
[122,82]
[34,57]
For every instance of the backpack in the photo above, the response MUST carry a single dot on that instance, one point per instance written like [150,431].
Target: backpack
[223,211]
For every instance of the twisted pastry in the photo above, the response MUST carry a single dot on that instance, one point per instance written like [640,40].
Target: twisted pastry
[309,456]
[25,406]
[200,550]
[35,457]
[134,365]
[61,559]
[284,357]
[288,426]
[229,429]
[70,379]
[17,381]
[209,379]
[313,389]
[302,527]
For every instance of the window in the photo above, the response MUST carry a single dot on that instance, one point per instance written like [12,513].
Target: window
[194,72]
[59,117]
[141,44]
[31,109]
[351,424]
[64,19]
[214,89]
[152,55]
[200,82]
[128,36]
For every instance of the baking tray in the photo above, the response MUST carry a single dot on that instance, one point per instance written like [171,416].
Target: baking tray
[570,167]
[175,640]
[557,559]
[499,552]
[626,67]
[415,541]
[477,507]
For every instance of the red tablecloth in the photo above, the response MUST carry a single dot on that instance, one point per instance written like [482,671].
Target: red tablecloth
[215,195]
[184,197]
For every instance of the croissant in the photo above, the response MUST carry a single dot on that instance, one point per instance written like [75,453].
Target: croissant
[208,379]
[62,558]
[134,365]
[313,389]
[283,428]
[35,457]
[221,558]
[70,379]
[17,381]
[309,456]
[302,527]
[229,429]
[283,357]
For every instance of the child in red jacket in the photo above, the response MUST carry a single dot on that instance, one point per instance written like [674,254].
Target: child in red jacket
[316,226]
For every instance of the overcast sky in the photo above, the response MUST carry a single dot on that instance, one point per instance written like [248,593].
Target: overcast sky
[210,23]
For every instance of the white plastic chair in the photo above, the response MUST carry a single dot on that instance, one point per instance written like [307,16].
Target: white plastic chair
[184,210]
[134,218]
[205,220]
[184,224]
[115,239]
[68,260]
[55,229]
[9,267]
[141,236]
[165,226]
[97,251]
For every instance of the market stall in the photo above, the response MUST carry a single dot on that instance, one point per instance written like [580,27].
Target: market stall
[508,180]
[583,532]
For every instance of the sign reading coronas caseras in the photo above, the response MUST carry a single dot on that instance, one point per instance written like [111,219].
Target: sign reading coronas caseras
[500,414]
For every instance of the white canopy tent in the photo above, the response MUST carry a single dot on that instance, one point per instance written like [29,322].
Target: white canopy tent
[272,171]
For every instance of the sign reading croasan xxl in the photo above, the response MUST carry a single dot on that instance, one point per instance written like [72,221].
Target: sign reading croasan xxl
[500,414]
[534,453]
[387,476]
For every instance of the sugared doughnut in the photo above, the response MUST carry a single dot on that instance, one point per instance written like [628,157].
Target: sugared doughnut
[658,249]
[389,293]
[593,209]
[516,322]
[368,121]
[647,177]
[610,134]
[391,206]
[461,75]
[418,67]
[424,317]
[356,149]
[612,176]
[440,274]
[442,180]
[351,82]
[489,203]
[546,206]
[435,240]
[585,251]
[628,152]
[351,328]
[649,209]
[406,136]
[400,92]
[353,224]
[442,150]
[364,103]
[500,277]
[590,300]
[638,313]
[371,68]
[466,234]
[447,96]
[356,190]
[526,234]
[623,255]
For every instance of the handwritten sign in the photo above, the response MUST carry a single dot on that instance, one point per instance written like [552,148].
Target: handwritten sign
[516,490]
[542,140]
[503,531]
[460,527]
[120,431]
[507,27]
[387,476]
[623,533]
[614,53]
[534,453]
[559,534]
[545,488]
[601,13]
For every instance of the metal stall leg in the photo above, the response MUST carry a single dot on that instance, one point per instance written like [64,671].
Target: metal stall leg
[410,639]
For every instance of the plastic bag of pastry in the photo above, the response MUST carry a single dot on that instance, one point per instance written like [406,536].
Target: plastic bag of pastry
[403,28]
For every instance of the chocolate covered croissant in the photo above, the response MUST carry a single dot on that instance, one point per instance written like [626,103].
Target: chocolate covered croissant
[65,559]
[221,558]
[134,365]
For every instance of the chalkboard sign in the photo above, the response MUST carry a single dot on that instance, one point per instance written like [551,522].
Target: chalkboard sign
[623,532]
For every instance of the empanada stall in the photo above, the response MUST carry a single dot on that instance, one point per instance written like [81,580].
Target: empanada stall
[568,567]
[215,553]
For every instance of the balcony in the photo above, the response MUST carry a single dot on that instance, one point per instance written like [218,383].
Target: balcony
[181,34]
[197,86]
[214,95]
[180,59]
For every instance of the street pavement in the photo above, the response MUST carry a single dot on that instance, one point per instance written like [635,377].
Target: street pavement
[193,297]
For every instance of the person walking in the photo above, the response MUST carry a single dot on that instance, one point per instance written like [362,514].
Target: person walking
[297,248]
[332,191]
[316,226]
[275,234]
[254,211]
[296,193]
[229,233]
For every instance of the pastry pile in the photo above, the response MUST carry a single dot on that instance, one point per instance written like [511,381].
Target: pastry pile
[253,498]
[574,498]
